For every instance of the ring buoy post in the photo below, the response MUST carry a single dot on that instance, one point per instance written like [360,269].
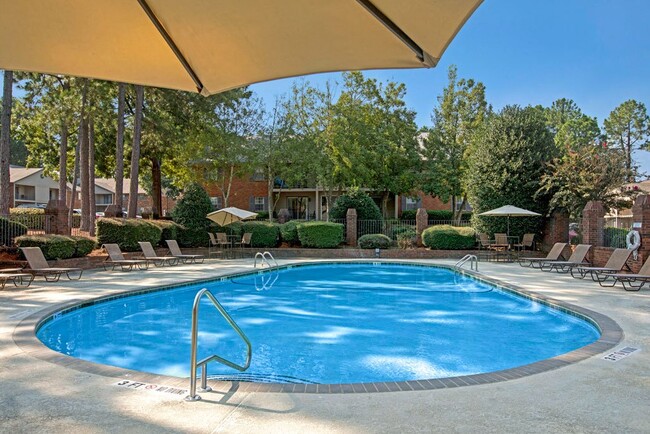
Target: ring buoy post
[633,242]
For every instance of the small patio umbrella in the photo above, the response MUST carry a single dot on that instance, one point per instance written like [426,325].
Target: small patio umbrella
[509,211]
[225,216]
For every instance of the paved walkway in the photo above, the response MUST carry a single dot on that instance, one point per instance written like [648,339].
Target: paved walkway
[594,395]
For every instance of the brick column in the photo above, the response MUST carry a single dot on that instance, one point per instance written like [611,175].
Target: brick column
[56,218]
[641,214]
[556,230]
[593,225]
[351,223]
[421,223]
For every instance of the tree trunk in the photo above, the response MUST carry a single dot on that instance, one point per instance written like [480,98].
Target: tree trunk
[135,152]
[5,143]
[75,176]
[156,189]
[91,176]
[119,148]
[458,214]
[384,203]
[269,188]
[83,160]
[63,160]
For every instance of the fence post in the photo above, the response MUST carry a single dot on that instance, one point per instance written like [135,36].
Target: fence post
[641,214]
[593,226]
[56,218]
[556,229]
[421,223]
[351,223]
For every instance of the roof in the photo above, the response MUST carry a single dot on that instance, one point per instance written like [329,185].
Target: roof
[18,173]
[109,184]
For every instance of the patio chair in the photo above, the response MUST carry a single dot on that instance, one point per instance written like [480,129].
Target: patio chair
[150,255]
[630,281]
[554,255]
[576,259]
[484,241]
[526,242]
[214,244]
[500,242]
[615,263]
[16,276]
[38,266]
[176,252]
[116,259]
[245,240]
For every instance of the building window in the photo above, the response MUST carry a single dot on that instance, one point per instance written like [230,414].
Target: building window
[412,203]
[54,194]
[259,204]
[258,175]
[217,202]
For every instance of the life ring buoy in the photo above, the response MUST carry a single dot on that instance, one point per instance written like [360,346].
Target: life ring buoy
[633,241]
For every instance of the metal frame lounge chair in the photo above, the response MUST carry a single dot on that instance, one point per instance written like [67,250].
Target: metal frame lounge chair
[553,255]
[38,266]
[150,255]
[16,276]
[176,252]
[631,281]
[615,263]
[116,259]
[576,259]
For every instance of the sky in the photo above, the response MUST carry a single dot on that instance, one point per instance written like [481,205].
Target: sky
[595,52]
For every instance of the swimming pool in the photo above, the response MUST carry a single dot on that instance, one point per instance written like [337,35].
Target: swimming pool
[327,324]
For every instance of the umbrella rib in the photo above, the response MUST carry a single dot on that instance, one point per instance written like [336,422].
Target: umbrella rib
[161,29]
[397,31]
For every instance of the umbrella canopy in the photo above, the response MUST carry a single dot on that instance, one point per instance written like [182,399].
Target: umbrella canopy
[509,211]
[225,216]
[216,45]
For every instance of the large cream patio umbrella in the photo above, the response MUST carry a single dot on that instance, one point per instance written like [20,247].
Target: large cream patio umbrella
[509,211]
[215,45]
[225,216]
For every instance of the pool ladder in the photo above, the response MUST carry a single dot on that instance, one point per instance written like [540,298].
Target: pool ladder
[264,259]
[473,262]
[194,364]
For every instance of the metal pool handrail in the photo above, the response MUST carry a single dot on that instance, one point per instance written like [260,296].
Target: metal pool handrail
[194,364]
[264,259]
[473,262]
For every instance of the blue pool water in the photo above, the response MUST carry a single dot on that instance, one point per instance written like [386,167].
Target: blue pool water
[335,323]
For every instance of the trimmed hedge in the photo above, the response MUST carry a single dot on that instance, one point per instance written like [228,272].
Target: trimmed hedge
[52,246]
[264,234]
[320,235]
[434,214]
[9,231]
[374,241]
[188,237]
[446,237]
[289,232]
[235,228]
[366,208]
[83,246]
[170,230]
[127,232]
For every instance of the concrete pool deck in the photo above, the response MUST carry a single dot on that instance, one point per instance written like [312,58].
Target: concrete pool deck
[593,395]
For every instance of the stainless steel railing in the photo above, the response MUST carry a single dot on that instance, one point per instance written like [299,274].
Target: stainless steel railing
[472,259]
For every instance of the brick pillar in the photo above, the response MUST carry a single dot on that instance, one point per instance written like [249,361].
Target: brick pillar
[593,225]
[421,223]
[351,223]
[56,218]
[556,230]
[641,214]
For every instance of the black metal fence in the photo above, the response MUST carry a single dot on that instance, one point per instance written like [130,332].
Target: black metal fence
[15,225]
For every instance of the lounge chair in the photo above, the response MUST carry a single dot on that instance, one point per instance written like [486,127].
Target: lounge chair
[16,276]
[38,266]
[176,252]
[631,282]
[576,259]
[116,259]
[150,255]
[615,263]
[553,255]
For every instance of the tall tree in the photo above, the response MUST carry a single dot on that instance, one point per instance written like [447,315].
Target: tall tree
[119,148]
[560,112]
[460,113]
[5,142]
[135,152]
[628,128]
[83,159]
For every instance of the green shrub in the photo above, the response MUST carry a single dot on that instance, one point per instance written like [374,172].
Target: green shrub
[396,231]
[193,237]
[52,246]
[33,218]
[170,230]
[264,215]
[321,235]
[374,241]
[615,237]
[366,208]
[264,234]
[406,240]
[191,209]
[231,229]
[289,232]
[446,237]
[9,231]
[435,215]
[83,246]
[127,232]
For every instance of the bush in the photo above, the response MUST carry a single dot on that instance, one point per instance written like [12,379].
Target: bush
[191,209]
[321,235]
[52,246]
[366,208]
[374,241]
[406,240]
[263,234]
[9,231]
[33,218]
[127,232]
[170,230]
[616,237]
[264,215]
[397,231]
[83,246]
[445,237]
[289,232]
[193,237]
[435,215]
[235,228]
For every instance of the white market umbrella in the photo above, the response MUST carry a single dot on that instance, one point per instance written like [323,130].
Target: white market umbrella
[225,216]
[211,46]
[509,211]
